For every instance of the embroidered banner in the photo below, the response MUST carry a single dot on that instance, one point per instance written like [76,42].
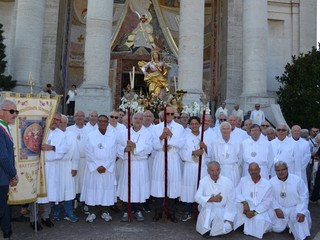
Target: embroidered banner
[29,132]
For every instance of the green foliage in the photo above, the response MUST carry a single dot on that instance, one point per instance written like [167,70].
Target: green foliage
[6,82]
[299,94]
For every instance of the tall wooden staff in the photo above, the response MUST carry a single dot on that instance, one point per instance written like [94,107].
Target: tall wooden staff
[204,101]
[129,94]
[164,99]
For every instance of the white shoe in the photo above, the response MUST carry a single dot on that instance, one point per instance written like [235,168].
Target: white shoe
[106,216]
[91,217]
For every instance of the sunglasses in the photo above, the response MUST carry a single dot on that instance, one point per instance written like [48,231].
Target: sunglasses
[176,117]
[281,130]
[223,119]
[168,114]
[11,111]
[115,117]
[263,125]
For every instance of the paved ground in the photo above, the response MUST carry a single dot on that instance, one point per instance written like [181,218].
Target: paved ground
[100,229]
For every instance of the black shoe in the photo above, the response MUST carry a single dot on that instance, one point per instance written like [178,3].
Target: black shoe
[47,222]
[157,217]
[146,208]
[21,218]
[33,226]
[7,235]
[172,218]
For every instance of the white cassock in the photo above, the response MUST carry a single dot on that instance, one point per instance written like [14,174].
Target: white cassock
[213,214]
[259,151]
[288,152]
[69,162]
[238,113]
[140,180]
[150,157]
[227,154]
[220,111]
[291,196]
[304,149]
[81,139]
[259,197]
[257,117]
[52,167]
[239,134]
[90,128]
[99,189]
[191,166]
[175,143]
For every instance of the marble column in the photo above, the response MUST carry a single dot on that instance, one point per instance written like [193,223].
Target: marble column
[255,47]
[191,37]
[95,93]
[28,43]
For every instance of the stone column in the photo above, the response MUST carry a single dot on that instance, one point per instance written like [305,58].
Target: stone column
[255,42]
[28,43]
[191,37]
[95,93]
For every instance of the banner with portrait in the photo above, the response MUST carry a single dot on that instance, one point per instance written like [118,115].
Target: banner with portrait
[29,132]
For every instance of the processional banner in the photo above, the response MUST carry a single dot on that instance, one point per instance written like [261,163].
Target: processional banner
[29,132]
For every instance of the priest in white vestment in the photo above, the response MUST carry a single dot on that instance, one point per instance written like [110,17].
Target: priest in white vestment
[254,199]
[290,203]
[81,133]
[68,168]
[257,115]
[139,147]
[237,133]
[284,149]
[225,150]
[99,177]
[92,124]
[55,150]
[190,154]
[175,135]
[257,149]
[216,198]
[304,149]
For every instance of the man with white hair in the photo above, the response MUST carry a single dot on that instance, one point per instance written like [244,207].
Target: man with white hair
[290,203]
[237,133]
[68,167]
[139,146]
[8,172]
[92,124]
[284,149]
[304,149]
[225,151]
[216,198]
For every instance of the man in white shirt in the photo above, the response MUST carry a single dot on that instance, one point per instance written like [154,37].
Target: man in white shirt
[237,112]
[216,198]
[257,115]
[92,124]
[254,199]
[290,203]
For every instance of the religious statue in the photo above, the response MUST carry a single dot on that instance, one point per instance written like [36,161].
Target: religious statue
[141,36]
[154,72]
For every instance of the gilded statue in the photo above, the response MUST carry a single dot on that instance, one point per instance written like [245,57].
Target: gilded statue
[154,72]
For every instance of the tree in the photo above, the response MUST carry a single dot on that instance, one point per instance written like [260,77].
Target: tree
[6,82]
[299,93]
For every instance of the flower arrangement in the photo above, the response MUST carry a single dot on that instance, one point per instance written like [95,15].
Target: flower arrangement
[194,109]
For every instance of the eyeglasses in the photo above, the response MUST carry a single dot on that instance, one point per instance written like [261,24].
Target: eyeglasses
[176,117]
[264,125]
[223,119]
[168,114]
[281,130]
[115,117]
[11,111]
[103,121]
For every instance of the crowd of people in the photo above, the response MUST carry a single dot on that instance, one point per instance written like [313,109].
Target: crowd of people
[251,174]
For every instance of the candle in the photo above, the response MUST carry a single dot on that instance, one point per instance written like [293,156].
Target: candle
[133,70]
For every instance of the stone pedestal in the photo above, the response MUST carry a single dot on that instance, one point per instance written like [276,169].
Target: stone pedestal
[191,33]
[95,93]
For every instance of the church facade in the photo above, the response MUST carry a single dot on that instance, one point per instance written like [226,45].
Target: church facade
[231,50]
